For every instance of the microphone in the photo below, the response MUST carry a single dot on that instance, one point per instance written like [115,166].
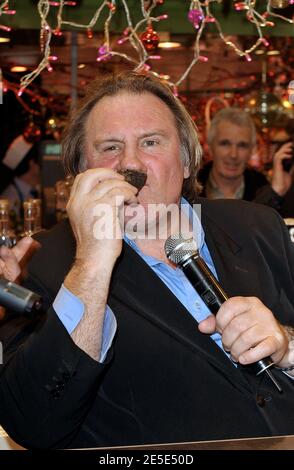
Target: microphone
[183,252]
[18,299]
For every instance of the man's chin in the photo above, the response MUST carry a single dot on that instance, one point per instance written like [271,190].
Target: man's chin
[232,174]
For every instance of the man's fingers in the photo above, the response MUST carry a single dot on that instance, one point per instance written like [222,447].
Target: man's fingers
[263,349]
[110,186]
[4,252]
[208,325]
[9,266]
[233,307]
[84,182]
[32,247]
[20,249]
[13,261]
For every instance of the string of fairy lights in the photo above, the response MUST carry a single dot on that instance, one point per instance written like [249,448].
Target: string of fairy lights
[142,36]
[5,10]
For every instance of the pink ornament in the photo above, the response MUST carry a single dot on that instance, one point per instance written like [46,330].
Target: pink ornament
[103,50]
[195,17]
[104,53]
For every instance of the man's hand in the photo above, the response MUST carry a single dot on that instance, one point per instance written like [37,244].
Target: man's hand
[13,261]
[96,204]
[249,331]
[281,180]
[96,189]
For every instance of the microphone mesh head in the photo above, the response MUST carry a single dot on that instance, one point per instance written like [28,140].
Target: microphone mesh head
[179,247]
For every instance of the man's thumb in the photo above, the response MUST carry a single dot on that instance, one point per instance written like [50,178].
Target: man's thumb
[208,325]
[22,247]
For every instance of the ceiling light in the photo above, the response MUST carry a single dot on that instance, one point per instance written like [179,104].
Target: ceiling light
[169,45]
[166,41]
[273,52]
[18,68]
[81,66]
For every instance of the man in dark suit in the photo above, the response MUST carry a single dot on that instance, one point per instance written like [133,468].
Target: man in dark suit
[128,353]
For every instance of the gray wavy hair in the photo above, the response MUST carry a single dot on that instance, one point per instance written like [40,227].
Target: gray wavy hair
[73,147]
[236,116]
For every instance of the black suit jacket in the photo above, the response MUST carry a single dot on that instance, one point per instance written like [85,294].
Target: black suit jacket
[162,380]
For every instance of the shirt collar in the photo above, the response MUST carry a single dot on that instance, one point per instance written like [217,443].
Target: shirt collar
[193,214]
[214,192]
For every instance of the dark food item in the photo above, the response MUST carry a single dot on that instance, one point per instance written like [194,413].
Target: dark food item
[135,178]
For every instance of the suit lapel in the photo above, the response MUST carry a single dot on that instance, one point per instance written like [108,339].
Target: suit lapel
[140,289]
[236,271]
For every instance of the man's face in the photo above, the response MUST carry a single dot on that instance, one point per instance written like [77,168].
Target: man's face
[231,150]
[138,132]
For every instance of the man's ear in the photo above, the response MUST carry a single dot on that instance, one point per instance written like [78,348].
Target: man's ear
[186,172]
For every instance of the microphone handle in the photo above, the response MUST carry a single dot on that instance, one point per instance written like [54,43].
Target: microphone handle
[213,295]
[204,282]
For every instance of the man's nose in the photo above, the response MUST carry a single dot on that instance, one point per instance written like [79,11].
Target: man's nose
[130,159]
[234,151]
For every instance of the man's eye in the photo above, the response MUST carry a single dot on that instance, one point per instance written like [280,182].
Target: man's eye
[150,143]
[110,148]
[224,143]
[244,145]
